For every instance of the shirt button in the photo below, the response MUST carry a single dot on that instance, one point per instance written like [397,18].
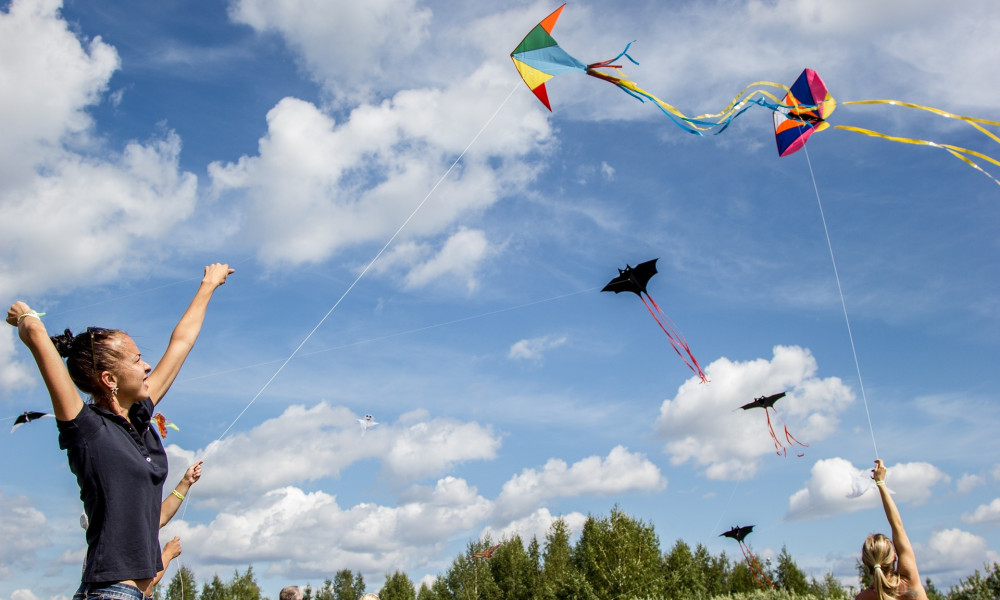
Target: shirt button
[149,459]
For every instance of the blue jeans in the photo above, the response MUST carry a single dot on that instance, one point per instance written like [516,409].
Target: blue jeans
[108,591]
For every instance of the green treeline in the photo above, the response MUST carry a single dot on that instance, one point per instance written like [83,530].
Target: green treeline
[616,558]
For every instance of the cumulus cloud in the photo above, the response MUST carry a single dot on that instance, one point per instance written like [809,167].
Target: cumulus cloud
[621,471]
[830,481]
[968,482]
[534,348]
[458,259]
[702,423]
[984,513]
[55,175]
[953,552]
[22,527]
[308,532]
[269,456]
[360,180]
[329,35]
[14,374]
[536,525]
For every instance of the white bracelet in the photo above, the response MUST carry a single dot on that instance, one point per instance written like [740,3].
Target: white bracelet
[37,315]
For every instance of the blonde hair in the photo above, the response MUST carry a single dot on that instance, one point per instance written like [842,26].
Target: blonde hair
[879,555]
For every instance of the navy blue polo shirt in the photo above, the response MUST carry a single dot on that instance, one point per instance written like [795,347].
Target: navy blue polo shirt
[120,468]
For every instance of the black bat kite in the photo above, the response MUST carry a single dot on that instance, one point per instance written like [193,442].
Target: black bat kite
[27,417]
[634,279]
[738,533]
[767,403]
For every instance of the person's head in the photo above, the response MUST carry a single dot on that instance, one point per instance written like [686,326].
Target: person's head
[290,592]
[878,554]
[105,363]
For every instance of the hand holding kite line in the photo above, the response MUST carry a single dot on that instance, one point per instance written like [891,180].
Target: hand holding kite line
[767,403]
[738,533]
[804,108]
[634,279]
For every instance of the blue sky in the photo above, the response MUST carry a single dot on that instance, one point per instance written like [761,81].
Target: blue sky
[295,139]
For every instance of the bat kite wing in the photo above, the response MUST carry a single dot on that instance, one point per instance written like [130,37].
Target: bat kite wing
[27,417]
[539,57]
[632,279]
[803,111]
[764,402]
[738,533]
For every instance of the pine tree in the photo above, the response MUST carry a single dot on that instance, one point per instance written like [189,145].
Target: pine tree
[348,586]
[182,585]
[397,587]
[620,557]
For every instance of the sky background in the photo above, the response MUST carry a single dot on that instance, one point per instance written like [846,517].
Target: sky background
[294,139]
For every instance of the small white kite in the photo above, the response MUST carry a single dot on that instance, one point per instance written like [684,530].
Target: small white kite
[367,423]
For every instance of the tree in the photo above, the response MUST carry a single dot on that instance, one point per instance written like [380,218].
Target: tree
[932,592]
[788,575]
[978,587]
[348,586]
[397,587]
[831,589]
[325,592]
[182,585]
[244,587]
[683,575]
[216,590]
[513,570]
[620,557]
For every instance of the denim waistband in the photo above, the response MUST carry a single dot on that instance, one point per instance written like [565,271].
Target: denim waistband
[108,591]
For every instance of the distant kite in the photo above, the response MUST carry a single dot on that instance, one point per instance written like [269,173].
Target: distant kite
[367,423]
[162,423]
[487,553]
[28,417]
[634,279]
[738,533]
[767,403]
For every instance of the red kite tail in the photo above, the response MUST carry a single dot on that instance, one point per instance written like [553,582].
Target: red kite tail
[676,338]
[779,449]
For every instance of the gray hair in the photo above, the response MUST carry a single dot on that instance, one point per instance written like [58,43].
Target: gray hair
[290,592]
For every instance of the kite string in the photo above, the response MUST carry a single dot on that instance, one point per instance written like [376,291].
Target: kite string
[843,302]
[373,260]
[360,275]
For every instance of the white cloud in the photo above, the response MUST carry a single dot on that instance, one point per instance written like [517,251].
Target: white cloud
[460,256]
[607,171]
[968,482]
[703,423]
[269,456]
[14,374]
[56,75]
[825,494]
[304,533]
[333,36]
[53,176]
[534,348]
[621,471]
[360,180]
[22,527]
[984,513]
[536,525]
[953,552]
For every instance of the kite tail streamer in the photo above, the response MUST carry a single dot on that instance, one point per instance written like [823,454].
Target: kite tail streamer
[955,151]
[676,338]
[778,447]
[788,436]
[758,574]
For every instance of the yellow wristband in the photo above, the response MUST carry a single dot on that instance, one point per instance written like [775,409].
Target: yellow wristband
[178,494]
[880,482]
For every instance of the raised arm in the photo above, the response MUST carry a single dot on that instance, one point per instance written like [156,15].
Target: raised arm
[186,332]
[66,400]
[170,504]
[906,562]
